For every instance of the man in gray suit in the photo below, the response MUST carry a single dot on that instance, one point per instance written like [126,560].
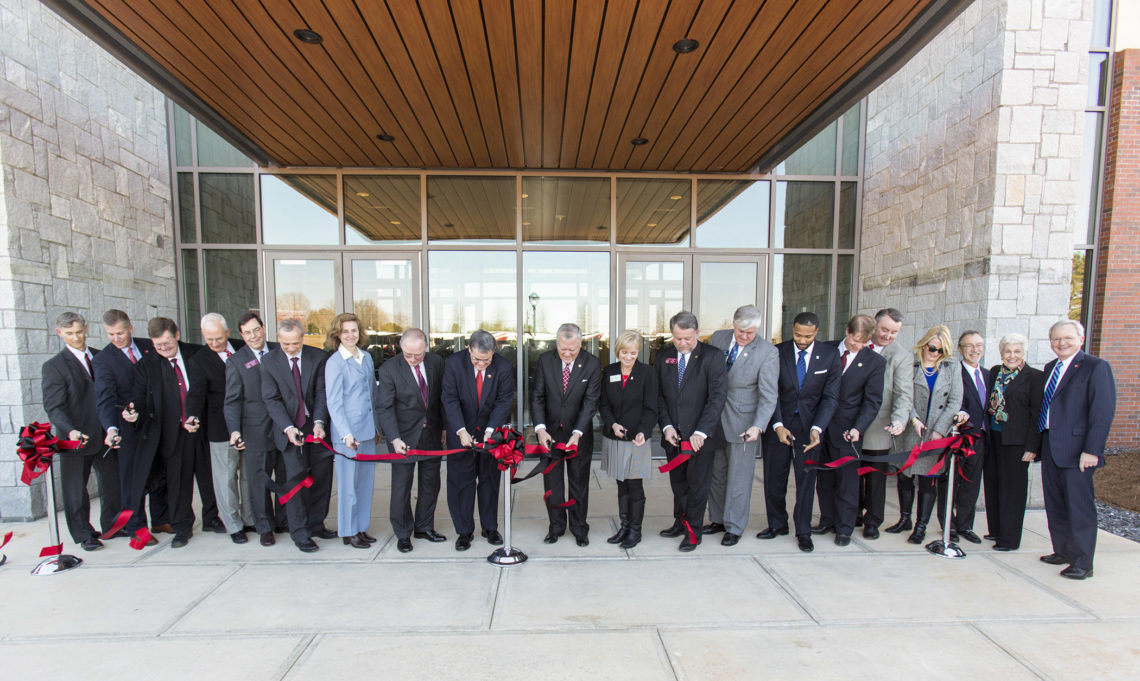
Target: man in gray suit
[889,422]
[753,367]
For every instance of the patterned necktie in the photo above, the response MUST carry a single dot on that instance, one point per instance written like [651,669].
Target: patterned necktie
[423,384]
[801,369]
[131,354]
[181,385]
[228,355]
[981,385]
[299,417]
[732,357]
[260,354]
[565,378]
[1043,420]
[479,389]
[844,358]
[680,369]
[90,367]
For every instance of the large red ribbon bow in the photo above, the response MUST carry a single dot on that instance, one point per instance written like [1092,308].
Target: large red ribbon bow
[36,447]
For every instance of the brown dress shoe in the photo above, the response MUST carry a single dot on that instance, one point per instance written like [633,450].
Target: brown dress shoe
[162,528]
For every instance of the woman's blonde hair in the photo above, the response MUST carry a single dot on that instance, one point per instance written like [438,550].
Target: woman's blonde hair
[628,339]
[942,333]
[332,338]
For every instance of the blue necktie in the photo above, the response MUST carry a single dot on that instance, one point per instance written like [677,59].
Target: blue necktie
[801,369]
[680,370]
[732,356]
[1043,420]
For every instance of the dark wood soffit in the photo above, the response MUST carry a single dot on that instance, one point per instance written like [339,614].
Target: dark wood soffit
[524,84]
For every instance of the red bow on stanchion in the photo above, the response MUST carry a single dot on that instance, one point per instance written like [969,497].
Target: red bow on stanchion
[506,445]
[36,447]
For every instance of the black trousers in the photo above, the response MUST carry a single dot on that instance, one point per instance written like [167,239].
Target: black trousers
[74,471]
[778,462]
[1011,483]
[404,522]
[472,474]
[838,490]
[1070,507]
[259,468]
[577,478]
[159,511]
[204,475]
[690,484]
[307,510]
[179,463]
[873,490]
[990,483]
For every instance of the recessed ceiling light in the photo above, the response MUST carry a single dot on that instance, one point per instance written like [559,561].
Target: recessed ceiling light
[385,137]
[651,224]
[362,194]
[685,46]
[526,224]
[309,36]
[394,222]
[675,197]
[559,217]
[525,195]
[638,141]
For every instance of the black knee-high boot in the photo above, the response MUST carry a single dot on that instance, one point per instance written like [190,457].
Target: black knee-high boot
[636,514]
[623,513]
[906,500]
[927,496]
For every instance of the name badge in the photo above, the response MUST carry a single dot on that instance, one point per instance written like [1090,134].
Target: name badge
[616,378]
[251,363]
[671,360]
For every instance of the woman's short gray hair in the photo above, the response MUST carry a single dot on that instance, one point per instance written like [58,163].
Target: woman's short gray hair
[1013,339]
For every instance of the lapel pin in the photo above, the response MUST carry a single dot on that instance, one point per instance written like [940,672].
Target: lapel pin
[861,364]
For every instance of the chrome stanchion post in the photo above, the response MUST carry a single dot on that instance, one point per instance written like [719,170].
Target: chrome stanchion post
[54,564]
[506,554]
[944,547]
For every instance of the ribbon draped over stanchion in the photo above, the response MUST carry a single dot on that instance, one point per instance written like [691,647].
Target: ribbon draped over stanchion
[36,447]
[960,444]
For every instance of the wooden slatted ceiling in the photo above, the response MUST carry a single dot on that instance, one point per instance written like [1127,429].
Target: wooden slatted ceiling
[513,83]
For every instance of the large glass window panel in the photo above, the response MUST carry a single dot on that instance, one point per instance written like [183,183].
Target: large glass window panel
[1102,23]
[724,286]
[226,200]
[471,290]
[654,212]
[805,214]
[1099,78]
[382,209]
[305,290]
[654,292]
[383,296]
[190,289]
[848,200]
[231,284]
[187,229]
[299,209]
[732,213]
[213,151]
[1080,286]
[183,151]
[800,283]
[471,209]
[851,128]
[844,281]
[815,157]
[1090,173]
[566,210]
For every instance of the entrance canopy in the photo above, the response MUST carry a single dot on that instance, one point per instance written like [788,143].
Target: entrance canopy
[681,86]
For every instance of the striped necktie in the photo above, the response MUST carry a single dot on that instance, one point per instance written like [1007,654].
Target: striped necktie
[1043,420]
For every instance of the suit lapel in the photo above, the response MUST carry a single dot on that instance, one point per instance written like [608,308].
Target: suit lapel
[1073,367]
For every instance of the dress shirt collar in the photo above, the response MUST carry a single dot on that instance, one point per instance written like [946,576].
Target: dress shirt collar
[81,355]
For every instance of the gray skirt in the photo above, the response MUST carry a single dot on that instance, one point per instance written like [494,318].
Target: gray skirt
[625,461]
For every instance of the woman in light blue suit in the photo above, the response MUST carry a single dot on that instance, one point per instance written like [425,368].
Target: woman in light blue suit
[350,388]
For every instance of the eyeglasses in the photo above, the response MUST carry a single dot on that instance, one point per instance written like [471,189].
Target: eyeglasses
[931,348]
[972,346]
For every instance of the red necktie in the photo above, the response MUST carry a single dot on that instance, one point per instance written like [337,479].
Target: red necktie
[181,385]
[131,354]
[423,384]
[565,377]
[90,367]
[845,353]
[229,354]
[478,388]
[299,417]
[871,345]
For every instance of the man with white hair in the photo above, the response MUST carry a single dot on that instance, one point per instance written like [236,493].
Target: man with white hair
[205,404]
[1076,414]
[753,367]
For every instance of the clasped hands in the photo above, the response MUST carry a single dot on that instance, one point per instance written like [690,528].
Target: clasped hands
[546,441]
[785,437]
[672,437]
[298,439]
[621,431]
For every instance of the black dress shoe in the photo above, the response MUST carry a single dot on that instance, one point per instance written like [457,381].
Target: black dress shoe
[954,536]
[307,546]
[713,528]
[215,525]
[404,545]
[989,537]
[325,533]
[463,542]
[582,541]
[366,537]
[858,521]
[91,544]
[676,530]
[729,539]
[870,532]
[551,537]
[804,542]
[430,535]
[493,537]
[842,539]
[822,529]
[121,534]
[769,533]
[687,545]
[1054,559]
[356,542]
[1074,572]
[267,539]
[970,536]
[180,540]
[1002,547]
[238,538]
[280,529]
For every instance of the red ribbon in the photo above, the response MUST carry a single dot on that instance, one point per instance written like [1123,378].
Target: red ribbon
[51,550]
[392,456]
[307,482]
[679,459]
[960,444]
[141,535]
[141,539]
[36,447]
[7,538]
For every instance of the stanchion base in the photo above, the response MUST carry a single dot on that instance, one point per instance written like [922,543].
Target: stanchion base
[943,550]
[3,559]
[506,556]
[54,564]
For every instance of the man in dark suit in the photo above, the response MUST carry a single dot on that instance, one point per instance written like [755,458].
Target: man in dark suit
[478,388]
[69,400]
[411,417]
[114,380]
[860,396]
[567,387]
[1076,414]
[692,395]
[205,405]
[293,388]
[158,408]
[251,430]
[975,378]
[808,396]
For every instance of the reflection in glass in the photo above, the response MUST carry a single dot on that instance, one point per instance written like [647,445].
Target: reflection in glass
[190,289]
[1098,78]
[187,230]
[654,212]
[844,270]
[1102,23]
[805,214]
[1089,187]
[567,210]
[226,201]
[851,129]
[305,290]
[1079,286]
[299,209]
[215,152]
[382,209]
[182,146]
[732,213]
[816,157]
[725,286]
[654,291]
[848,198]
[472,290]
[471,209]
[382,296]
[800,283]
[231,283]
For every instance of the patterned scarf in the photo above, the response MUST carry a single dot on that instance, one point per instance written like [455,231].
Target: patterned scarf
[997,395]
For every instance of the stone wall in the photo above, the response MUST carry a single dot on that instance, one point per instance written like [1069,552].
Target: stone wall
[85,220]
